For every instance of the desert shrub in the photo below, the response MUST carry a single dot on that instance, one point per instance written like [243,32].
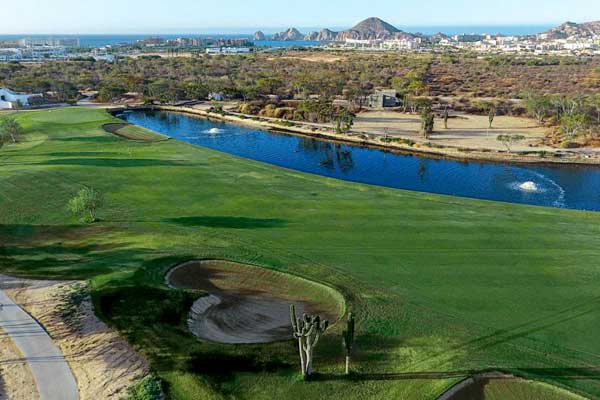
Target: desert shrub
[149,388]
[217,109]
[568,144]
[251,108]
[269,111]
[86,204]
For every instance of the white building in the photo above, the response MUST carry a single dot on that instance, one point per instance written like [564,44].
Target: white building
[41,53]
[30,43]
[227,50]
[9,99]
[401,44]
[11,55]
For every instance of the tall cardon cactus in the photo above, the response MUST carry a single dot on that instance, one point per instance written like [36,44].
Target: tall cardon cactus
[348,336]
[307,330]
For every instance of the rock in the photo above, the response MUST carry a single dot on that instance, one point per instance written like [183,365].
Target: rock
[259,36]
[311,36]
[291,34]
[327,35]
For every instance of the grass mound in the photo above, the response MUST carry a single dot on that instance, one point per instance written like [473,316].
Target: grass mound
[133,132]
[512,389]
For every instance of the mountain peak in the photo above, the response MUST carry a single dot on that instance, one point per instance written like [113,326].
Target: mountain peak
[376,25]
[573,29]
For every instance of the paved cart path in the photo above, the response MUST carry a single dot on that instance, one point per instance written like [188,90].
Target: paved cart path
[51,372]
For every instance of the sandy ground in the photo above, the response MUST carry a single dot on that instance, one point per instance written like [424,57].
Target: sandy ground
[246,304]
[243,320]
[16,379]
[464,131]
[315,58]
[103,363]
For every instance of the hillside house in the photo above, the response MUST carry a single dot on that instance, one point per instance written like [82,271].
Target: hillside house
[10,99]
[383,99]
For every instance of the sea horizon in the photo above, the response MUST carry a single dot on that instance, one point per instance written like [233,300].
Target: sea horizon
[103,39]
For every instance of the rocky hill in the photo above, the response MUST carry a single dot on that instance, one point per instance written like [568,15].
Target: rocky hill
[325,35]
[291,34]
[369,29]
[570,29]
[259,36]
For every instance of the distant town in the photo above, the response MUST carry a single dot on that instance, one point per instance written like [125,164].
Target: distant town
[373,34]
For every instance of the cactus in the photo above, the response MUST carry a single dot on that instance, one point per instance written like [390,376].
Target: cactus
[307,330]
[492,115]
[348,336]
[446,116]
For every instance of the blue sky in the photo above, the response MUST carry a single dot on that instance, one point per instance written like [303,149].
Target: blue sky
[180,16]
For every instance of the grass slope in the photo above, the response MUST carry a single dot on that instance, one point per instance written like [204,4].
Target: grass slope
[133,132]
[513,389]
[441,286]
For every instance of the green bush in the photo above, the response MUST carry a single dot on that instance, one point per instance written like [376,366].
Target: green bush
[149,388]
[567,144]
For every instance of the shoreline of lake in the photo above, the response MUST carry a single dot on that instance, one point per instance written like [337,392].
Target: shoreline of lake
[453,153]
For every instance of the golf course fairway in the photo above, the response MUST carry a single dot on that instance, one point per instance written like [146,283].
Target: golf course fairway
[442,287]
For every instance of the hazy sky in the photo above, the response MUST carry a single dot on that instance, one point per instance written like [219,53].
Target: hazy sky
[164,16]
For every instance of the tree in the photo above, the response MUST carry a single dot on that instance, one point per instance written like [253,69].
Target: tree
[86,204]
[489,108]
[427,121]
[344,120]
[571,125]
[538,106]
[110,90]
[446,117]
[10,127]
[307,330]
[594,102]
[509,140]
[348,336]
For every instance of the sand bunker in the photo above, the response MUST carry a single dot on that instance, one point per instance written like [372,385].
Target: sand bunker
[496,385]
[248,304]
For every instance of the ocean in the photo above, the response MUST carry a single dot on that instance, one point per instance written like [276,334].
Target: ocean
[99,40]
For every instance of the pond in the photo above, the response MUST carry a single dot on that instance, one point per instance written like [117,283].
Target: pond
[562,186]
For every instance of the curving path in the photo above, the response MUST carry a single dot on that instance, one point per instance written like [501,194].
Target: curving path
[51,372]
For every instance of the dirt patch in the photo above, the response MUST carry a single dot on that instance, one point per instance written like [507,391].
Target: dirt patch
[248,304]
[464,131]
[313,58]
[103,363]
[16,379]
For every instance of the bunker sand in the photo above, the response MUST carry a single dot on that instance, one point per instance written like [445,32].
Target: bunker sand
[248,304]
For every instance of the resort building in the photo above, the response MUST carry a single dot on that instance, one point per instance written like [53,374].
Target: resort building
[10,99]
[227,50]
[11,55]
[30,43]
[383,99]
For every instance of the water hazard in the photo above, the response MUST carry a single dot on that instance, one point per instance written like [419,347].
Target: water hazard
[562,186]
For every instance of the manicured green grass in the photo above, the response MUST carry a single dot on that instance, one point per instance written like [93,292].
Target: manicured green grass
[441,286]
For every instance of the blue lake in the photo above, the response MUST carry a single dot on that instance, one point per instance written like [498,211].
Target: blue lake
[563,186]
